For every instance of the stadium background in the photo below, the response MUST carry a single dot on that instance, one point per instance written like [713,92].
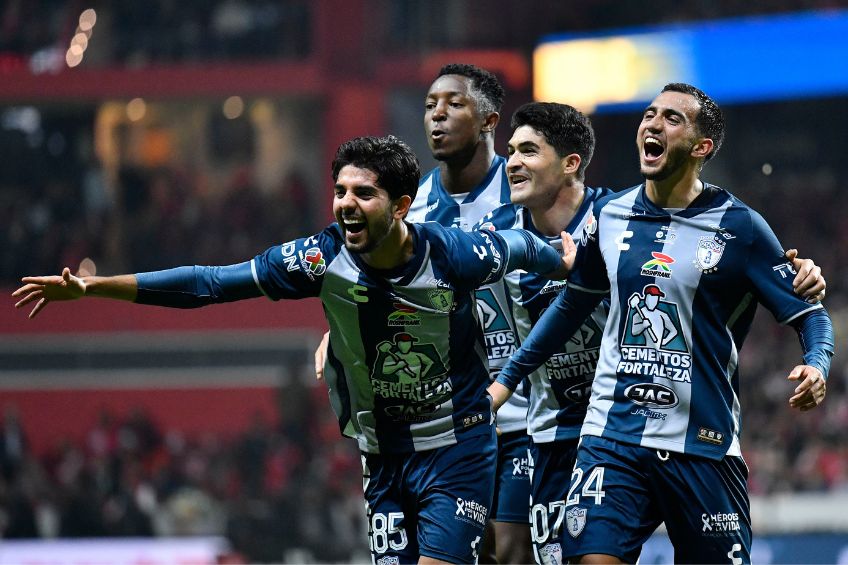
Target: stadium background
[143,135]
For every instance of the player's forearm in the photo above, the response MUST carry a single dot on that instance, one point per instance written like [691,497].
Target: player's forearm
[499,393]
[193,287]
[556,326]
[815,331]
[530,253]
[119,287]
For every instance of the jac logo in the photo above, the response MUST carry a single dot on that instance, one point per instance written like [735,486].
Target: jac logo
[579,393]
[652,395]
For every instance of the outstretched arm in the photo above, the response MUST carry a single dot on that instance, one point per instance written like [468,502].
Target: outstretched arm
[556,326]
[528,252]
[46,289]
[182,287]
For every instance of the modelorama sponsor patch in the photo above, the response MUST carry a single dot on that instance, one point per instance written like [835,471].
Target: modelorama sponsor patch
[471,511]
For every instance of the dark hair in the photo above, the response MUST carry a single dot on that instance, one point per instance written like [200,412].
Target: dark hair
[392,160]
[485,87]
[564,127]
[709,121]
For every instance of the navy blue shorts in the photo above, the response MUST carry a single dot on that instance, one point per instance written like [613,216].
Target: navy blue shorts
[620,493]
[434,503]
[512,482]
[550,474]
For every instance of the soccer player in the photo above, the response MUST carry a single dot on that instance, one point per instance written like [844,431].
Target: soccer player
[406,362]
[660,441]
[461,111]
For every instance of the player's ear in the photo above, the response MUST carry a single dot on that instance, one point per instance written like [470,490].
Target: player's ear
[401,206]
[571,163]
[702,147]
[490,122]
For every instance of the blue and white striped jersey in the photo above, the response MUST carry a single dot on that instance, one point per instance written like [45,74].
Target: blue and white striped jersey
[684,288]
[559,389]
[433,203]
[406,364]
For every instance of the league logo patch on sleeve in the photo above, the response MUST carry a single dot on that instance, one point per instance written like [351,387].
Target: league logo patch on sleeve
[590,229]
[313,262]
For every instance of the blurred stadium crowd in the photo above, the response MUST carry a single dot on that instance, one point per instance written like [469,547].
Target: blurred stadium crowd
[283,485]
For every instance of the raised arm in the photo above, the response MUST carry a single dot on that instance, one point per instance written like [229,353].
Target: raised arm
[528,252]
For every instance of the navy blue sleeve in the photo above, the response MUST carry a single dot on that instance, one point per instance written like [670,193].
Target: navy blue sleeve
[556,326]
[771,274]
[815,330]
[528,252]
[193,287]
[296,269]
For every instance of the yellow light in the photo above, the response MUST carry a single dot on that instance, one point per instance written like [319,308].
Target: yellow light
[87,19]
[233,107]
[136,109]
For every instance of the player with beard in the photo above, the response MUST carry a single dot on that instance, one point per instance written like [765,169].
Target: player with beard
[660,441]
[427,438]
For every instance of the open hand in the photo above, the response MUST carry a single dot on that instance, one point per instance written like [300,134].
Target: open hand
[48,288]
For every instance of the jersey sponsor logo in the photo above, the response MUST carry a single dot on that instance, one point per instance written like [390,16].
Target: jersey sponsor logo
[652,395]
[666,235]
[471,511]
[784,269]
[499,337]
[357,292]
[652,344]
[412,373]
[553,286]
[577,360]
[710,250]
[579,393]
[590,228]
[720,524]
[289,257]
[710,436]
[658,266]
[404,316]
[389,560]
[551,554]
[575,521]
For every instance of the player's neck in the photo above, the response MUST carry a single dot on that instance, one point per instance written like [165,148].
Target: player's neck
[551,218]
[676,191]
[395,250]
[464,173]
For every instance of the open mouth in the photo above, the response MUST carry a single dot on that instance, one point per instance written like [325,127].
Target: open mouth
[652,148]
[516,181]
[353,225]
[438,134]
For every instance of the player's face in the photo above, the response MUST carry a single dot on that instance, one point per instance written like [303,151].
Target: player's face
[667,135]
[535,171]
[451,118]
[362,209]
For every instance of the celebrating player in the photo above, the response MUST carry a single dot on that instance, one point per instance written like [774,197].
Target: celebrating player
[660,441]
[406,362]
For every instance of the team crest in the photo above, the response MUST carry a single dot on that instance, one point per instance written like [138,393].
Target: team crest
[441,299]
[551,554]
[389,560]
[575,521]
[710,250]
